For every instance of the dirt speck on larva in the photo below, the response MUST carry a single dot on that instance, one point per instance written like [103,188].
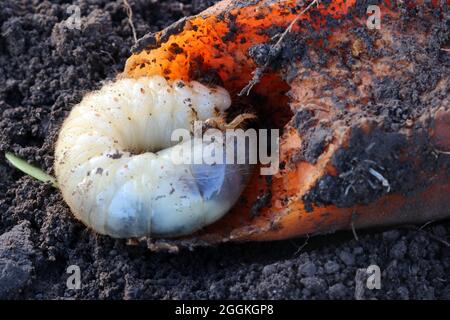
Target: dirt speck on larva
[46,68]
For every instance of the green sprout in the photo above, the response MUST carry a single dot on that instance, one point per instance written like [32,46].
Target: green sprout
[30,170]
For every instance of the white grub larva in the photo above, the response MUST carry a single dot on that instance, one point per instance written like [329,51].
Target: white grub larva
[113,166]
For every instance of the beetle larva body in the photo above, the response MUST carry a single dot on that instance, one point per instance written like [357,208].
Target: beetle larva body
[115,167]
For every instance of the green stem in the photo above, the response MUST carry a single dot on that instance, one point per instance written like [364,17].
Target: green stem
[30,170]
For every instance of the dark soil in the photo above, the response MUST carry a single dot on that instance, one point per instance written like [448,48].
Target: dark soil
[45,69]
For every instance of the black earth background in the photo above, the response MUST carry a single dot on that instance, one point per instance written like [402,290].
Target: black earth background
[45,68]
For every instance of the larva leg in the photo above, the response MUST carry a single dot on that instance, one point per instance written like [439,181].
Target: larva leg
[220,122]
[239,120]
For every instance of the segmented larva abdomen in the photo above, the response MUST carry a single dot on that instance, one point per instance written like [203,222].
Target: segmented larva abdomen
[111,174]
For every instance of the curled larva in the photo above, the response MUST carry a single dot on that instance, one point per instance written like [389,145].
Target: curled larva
[114,166]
